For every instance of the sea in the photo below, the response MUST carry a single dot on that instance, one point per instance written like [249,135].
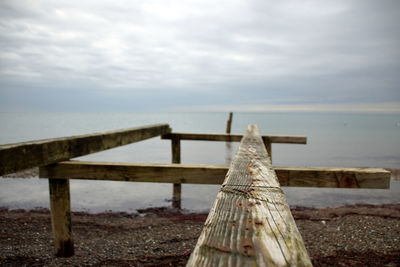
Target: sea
[333,140]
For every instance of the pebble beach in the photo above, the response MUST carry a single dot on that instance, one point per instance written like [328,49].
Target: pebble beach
[360,235]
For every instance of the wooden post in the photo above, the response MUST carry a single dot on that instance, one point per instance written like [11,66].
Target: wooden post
[61,217]
[229,123]
[268,146]
[228,157]
[250,223]
[176,158]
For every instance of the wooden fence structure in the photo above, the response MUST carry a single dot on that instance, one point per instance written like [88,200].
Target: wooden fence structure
[250,204]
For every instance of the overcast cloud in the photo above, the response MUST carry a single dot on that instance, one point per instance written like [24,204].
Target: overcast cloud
[199,55]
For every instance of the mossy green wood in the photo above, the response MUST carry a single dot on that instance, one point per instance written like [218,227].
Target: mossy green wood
[250,223]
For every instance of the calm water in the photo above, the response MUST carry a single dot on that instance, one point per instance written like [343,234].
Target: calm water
[338,140]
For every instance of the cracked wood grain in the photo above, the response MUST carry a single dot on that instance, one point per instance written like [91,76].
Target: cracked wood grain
[250,223]
[371,178]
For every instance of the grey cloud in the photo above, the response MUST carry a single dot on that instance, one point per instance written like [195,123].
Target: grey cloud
[258,52]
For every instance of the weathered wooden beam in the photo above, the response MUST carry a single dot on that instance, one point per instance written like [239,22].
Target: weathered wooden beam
[250,223]
[60,205]
[20,156]
[234,137]
[139,172]
[177,187]
[368,178]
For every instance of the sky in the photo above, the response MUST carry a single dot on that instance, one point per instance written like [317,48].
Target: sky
[200,55]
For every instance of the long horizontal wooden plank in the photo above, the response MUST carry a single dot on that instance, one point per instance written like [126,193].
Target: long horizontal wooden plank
[140,172]
[250,223]
[20,156]
[371,178]
[234,138]
[366,178]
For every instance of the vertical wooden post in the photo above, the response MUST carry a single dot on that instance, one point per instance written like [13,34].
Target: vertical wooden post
[228,143]
[268,146]
[229,123]
[61,217]
[269,149]
[176,158]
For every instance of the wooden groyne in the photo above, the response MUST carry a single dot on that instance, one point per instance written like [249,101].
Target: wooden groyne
[251,179]
[250,223]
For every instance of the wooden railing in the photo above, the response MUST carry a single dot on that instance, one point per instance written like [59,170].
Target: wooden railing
[367,178]
[20,156]
[176,148]
[51,155]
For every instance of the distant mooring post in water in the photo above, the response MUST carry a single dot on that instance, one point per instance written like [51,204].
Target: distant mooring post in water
[228,156]
[229,123]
